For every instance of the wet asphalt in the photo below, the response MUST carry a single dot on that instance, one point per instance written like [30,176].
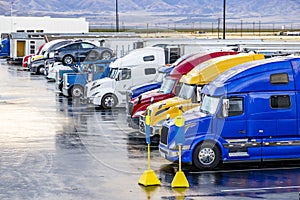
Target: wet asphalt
[57,148]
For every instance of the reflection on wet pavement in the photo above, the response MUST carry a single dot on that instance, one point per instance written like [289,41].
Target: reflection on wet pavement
[56,148]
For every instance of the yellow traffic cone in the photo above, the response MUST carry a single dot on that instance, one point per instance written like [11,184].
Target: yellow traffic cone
[149,177]
[180,179]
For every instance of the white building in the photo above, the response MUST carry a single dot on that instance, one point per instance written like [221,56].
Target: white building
[43,24]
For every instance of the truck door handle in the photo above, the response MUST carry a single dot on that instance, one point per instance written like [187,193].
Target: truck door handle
[242,131]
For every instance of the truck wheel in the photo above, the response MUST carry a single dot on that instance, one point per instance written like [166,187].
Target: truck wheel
[68,60]
[41,70]
[60,86]
[106,55]
[76,91]
[109,101]
[206,156]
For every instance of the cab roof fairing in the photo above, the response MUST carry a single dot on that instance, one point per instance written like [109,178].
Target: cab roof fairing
[195,59]
[248,77]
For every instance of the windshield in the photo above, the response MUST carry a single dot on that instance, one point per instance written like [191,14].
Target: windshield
[167,86]
[209,104]
[187,91]
[113,73]
[160,76]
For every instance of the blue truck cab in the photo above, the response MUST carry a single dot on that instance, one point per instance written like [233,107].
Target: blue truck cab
[249,113]
[73,83]
[5,48]
[59,76]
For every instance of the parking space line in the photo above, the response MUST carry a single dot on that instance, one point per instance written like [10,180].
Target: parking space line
[265,188]
[244,170]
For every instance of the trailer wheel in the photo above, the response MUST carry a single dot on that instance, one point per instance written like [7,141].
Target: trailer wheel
[77,91]
[68,60]
[206,156]
[93,55]
[109,101]
[106,55]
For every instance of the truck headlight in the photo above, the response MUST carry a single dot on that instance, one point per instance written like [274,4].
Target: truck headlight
[173,146]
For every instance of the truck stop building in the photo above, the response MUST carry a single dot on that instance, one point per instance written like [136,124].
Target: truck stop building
[43,24]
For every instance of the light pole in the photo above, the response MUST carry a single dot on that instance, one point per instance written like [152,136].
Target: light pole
[241,28]
[11,15]
[219,28]
[224,12]
[117,17]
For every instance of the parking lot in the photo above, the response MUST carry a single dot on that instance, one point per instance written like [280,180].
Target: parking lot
[55,148]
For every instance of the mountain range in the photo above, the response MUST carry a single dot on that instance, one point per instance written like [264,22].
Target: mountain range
[162,13]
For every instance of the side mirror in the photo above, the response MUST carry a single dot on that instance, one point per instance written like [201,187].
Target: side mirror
[46,55]
[152,100]
[139,99]
[225,107]
[198,94]
[119,76]
[168,117]
[180,110]
[161,105]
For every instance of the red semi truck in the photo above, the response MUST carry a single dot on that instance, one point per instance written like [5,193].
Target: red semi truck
[169,87]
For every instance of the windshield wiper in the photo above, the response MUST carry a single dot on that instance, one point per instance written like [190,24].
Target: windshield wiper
[204,111]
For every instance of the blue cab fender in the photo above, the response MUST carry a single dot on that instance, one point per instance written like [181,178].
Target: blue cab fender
[207,138]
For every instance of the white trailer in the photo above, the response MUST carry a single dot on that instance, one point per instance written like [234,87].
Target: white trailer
[22,44]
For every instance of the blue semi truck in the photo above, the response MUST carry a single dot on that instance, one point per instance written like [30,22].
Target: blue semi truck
[249,113]
[73,83]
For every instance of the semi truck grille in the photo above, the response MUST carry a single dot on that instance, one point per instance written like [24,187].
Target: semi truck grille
[65,81]
[130,108]
[57,77]
[85,92]
[164,135]
[142,124]
[128,96]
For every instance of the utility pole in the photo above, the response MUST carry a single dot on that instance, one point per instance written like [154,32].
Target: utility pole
[259,24]
[11,16]
[224,11]
[117,17]
[219,28]
[241,28]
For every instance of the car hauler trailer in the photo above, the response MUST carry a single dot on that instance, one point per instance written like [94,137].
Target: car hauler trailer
[73,83]
[138,67]
[249,113]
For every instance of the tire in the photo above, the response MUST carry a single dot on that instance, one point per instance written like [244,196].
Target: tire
[109,101]
[68,60]
[60,87]
[106,55]
[76,91]
[93,55]
[206,156]
[40,70]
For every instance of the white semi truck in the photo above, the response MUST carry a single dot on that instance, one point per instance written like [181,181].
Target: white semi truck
[138,67]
